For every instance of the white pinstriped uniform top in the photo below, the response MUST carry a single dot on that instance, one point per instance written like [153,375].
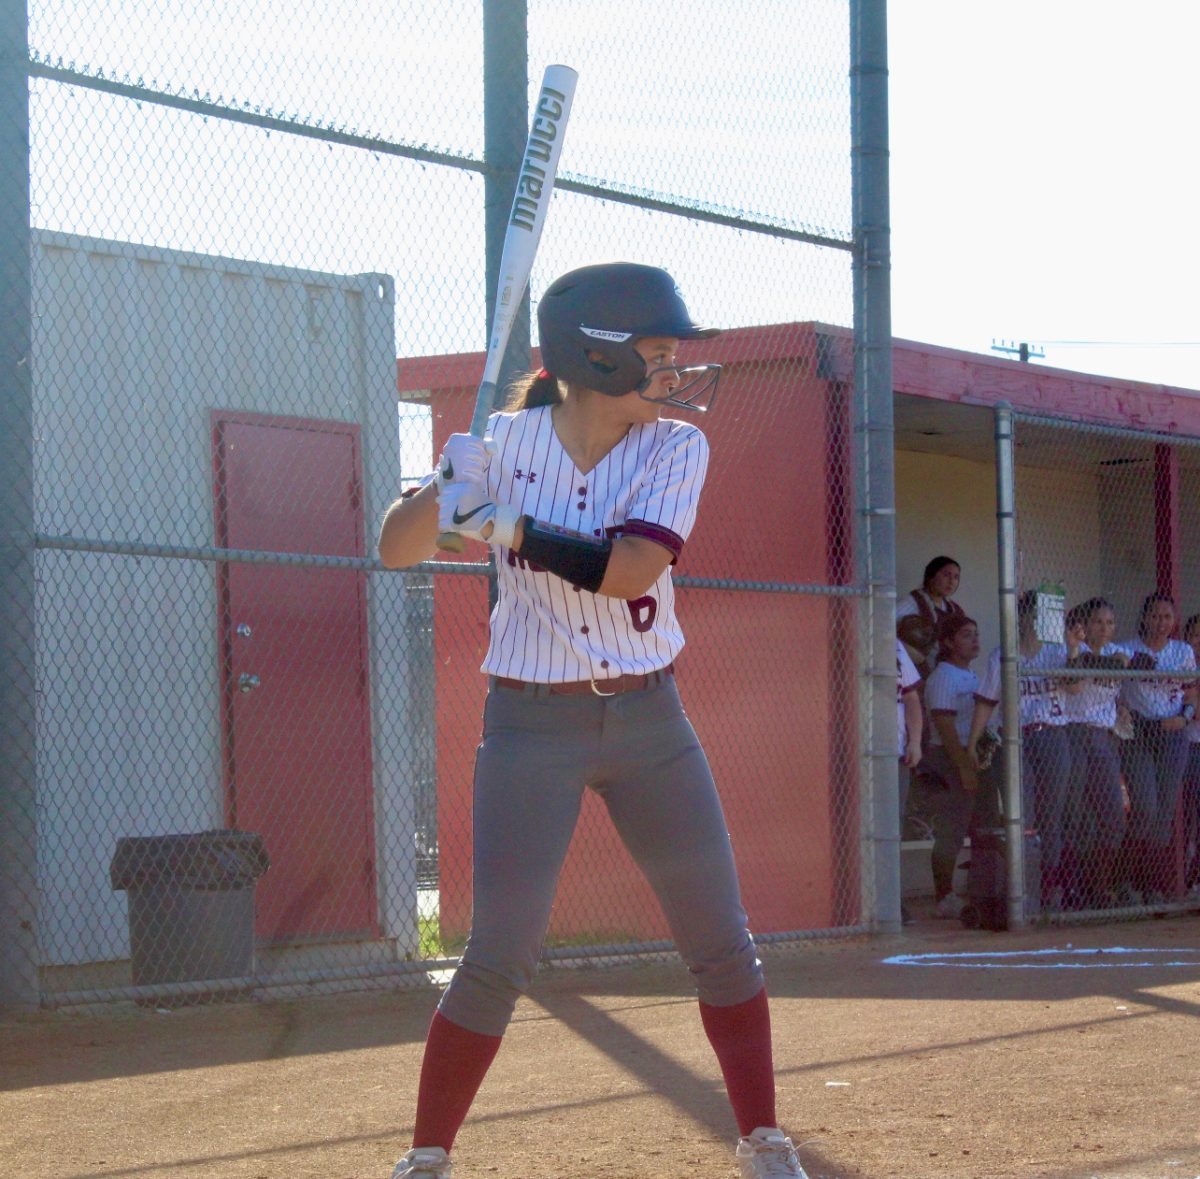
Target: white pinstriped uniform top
[952,689]
[1043,701]
[908,679]
[1096,702]
[1158,698]
[544,630]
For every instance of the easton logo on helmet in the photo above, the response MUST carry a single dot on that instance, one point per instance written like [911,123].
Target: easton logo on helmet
[601,334]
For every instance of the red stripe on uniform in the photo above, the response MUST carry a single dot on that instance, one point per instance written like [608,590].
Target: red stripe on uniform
[656,533]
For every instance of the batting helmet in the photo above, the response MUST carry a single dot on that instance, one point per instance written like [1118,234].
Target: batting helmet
[590,319]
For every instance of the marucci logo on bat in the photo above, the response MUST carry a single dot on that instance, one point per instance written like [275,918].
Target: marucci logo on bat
[532,181]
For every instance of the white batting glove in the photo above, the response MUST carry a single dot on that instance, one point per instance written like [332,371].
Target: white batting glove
[464,460]
[468,509]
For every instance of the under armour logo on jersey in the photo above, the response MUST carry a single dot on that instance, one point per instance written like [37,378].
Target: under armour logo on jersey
[528,476]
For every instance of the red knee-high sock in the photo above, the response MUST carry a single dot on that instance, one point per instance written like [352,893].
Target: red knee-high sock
[741,1038]
[456,1061]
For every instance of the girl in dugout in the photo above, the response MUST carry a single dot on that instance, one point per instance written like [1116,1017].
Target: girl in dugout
[1191,777]
[1096,804]
[1045,747]
[962,802]
[1155,760]
[931,604]
[587,495]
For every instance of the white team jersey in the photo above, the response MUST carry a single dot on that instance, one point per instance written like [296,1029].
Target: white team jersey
[907,679]
[545,630]
[952,689]
[1043,701]
[1159,698]
[1096,703]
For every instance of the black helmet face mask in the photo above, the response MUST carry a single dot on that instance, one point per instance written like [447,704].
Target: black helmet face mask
[694,386]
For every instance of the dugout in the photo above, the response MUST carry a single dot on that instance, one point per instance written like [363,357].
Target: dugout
[1107,480]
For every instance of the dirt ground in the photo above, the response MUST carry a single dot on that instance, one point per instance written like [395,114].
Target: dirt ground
[1070,1059]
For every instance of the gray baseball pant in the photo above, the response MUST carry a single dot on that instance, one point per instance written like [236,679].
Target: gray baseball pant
[639,752]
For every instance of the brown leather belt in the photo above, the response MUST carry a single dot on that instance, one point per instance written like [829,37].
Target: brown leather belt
[609,687]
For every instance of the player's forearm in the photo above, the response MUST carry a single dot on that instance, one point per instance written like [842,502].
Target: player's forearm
[634,565]
[409,531]
[913,719]
[979,720]
[944,723]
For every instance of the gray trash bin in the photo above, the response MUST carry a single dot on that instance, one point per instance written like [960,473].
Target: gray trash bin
[191,904]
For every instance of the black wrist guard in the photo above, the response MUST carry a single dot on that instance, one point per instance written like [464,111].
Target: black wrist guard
[573,557]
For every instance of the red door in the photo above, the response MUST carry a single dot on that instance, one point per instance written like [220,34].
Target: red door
[293,645]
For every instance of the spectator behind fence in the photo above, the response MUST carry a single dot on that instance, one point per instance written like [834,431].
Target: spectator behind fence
[932,602]
[961,802]
[1155,759]
[1190,811]
[1096,805]
[1045,747]
[909,723]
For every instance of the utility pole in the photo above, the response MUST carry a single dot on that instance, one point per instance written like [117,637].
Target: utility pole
[1022,351]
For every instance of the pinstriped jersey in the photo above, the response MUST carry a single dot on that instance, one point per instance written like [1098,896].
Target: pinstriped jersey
[545,630]
[951,688]
[1158,699]
[908,679]
[1043,700]
[1096,702]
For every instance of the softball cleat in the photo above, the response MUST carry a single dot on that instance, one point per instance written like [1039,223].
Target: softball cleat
[768,1154]
[427,1162]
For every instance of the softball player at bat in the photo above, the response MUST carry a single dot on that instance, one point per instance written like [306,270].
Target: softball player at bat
[587,495]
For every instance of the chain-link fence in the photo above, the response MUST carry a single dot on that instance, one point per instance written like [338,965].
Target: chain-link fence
[235,220]
[1102,635]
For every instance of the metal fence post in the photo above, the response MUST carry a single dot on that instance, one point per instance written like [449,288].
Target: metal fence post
[875,481]
[1010,688]
[18,828]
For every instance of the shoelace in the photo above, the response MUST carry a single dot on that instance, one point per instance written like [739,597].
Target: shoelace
[428,1170]
[778,1158]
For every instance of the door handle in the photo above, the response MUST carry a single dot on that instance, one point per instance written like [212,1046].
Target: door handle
[248,682]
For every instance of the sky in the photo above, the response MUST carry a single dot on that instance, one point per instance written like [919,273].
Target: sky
[1043,180]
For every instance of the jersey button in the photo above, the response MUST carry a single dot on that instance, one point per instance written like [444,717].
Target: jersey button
[583,630]
[603,662]
[583,491]
[581,505]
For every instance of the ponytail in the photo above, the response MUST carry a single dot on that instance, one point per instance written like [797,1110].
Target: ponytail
[532,390]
